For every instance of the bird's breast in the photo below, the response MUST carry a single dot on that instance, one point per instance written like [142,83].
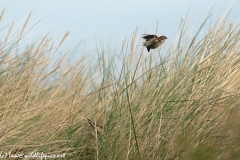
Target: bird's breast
[156,44]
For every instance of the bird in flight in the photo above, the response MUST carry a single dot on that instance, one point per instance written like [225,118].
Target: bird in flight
[153,41]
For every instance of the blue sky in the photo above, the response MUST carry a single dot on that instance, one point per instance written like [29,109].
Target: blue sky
[107,20]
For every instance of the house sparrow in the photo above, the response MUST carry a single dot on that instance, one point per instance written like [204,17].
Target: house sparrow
[153,41]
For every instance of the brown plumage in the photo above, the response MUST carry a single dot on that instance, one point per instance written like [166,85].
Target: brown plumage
[97,127]
[153,41]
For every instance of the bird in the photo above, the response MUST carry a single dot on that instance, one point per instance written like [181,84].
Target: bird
[153,41]
[95,126]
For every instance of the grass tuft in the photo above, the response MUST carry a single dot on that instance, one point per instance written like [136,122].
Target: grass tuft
[179,104]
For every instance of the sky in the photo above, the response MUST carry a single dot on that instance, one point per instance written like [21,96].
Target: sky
[109,22]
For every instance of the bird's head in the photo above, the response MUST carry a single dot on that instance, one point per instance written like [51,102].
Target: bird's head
[163,37]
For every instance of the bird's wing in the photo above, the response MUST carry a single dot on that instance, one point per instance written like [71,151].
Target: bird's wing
[147,37]
[156,39]
[150,41]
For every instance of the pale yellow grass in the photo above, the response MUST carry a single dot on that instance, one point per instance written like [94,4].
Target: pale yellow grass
[183,106]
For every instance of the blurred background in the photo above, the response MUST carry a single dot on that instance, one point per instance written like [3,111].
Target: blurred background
[110,22]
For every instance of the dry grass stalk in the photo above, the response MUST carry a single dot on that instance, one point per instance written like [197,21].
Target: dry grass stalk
[25,25]
[64,37]
[2,13]
[7,37]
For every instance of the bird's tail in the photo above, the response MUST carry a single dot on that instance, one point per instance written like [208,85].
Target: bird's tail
[148,49]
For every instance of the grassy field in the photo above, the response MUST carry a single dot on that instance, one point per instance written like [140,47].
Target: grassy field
[128,105]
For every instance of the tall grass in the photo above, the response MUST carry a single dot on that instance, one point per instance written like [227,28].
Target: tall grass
[128,105]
